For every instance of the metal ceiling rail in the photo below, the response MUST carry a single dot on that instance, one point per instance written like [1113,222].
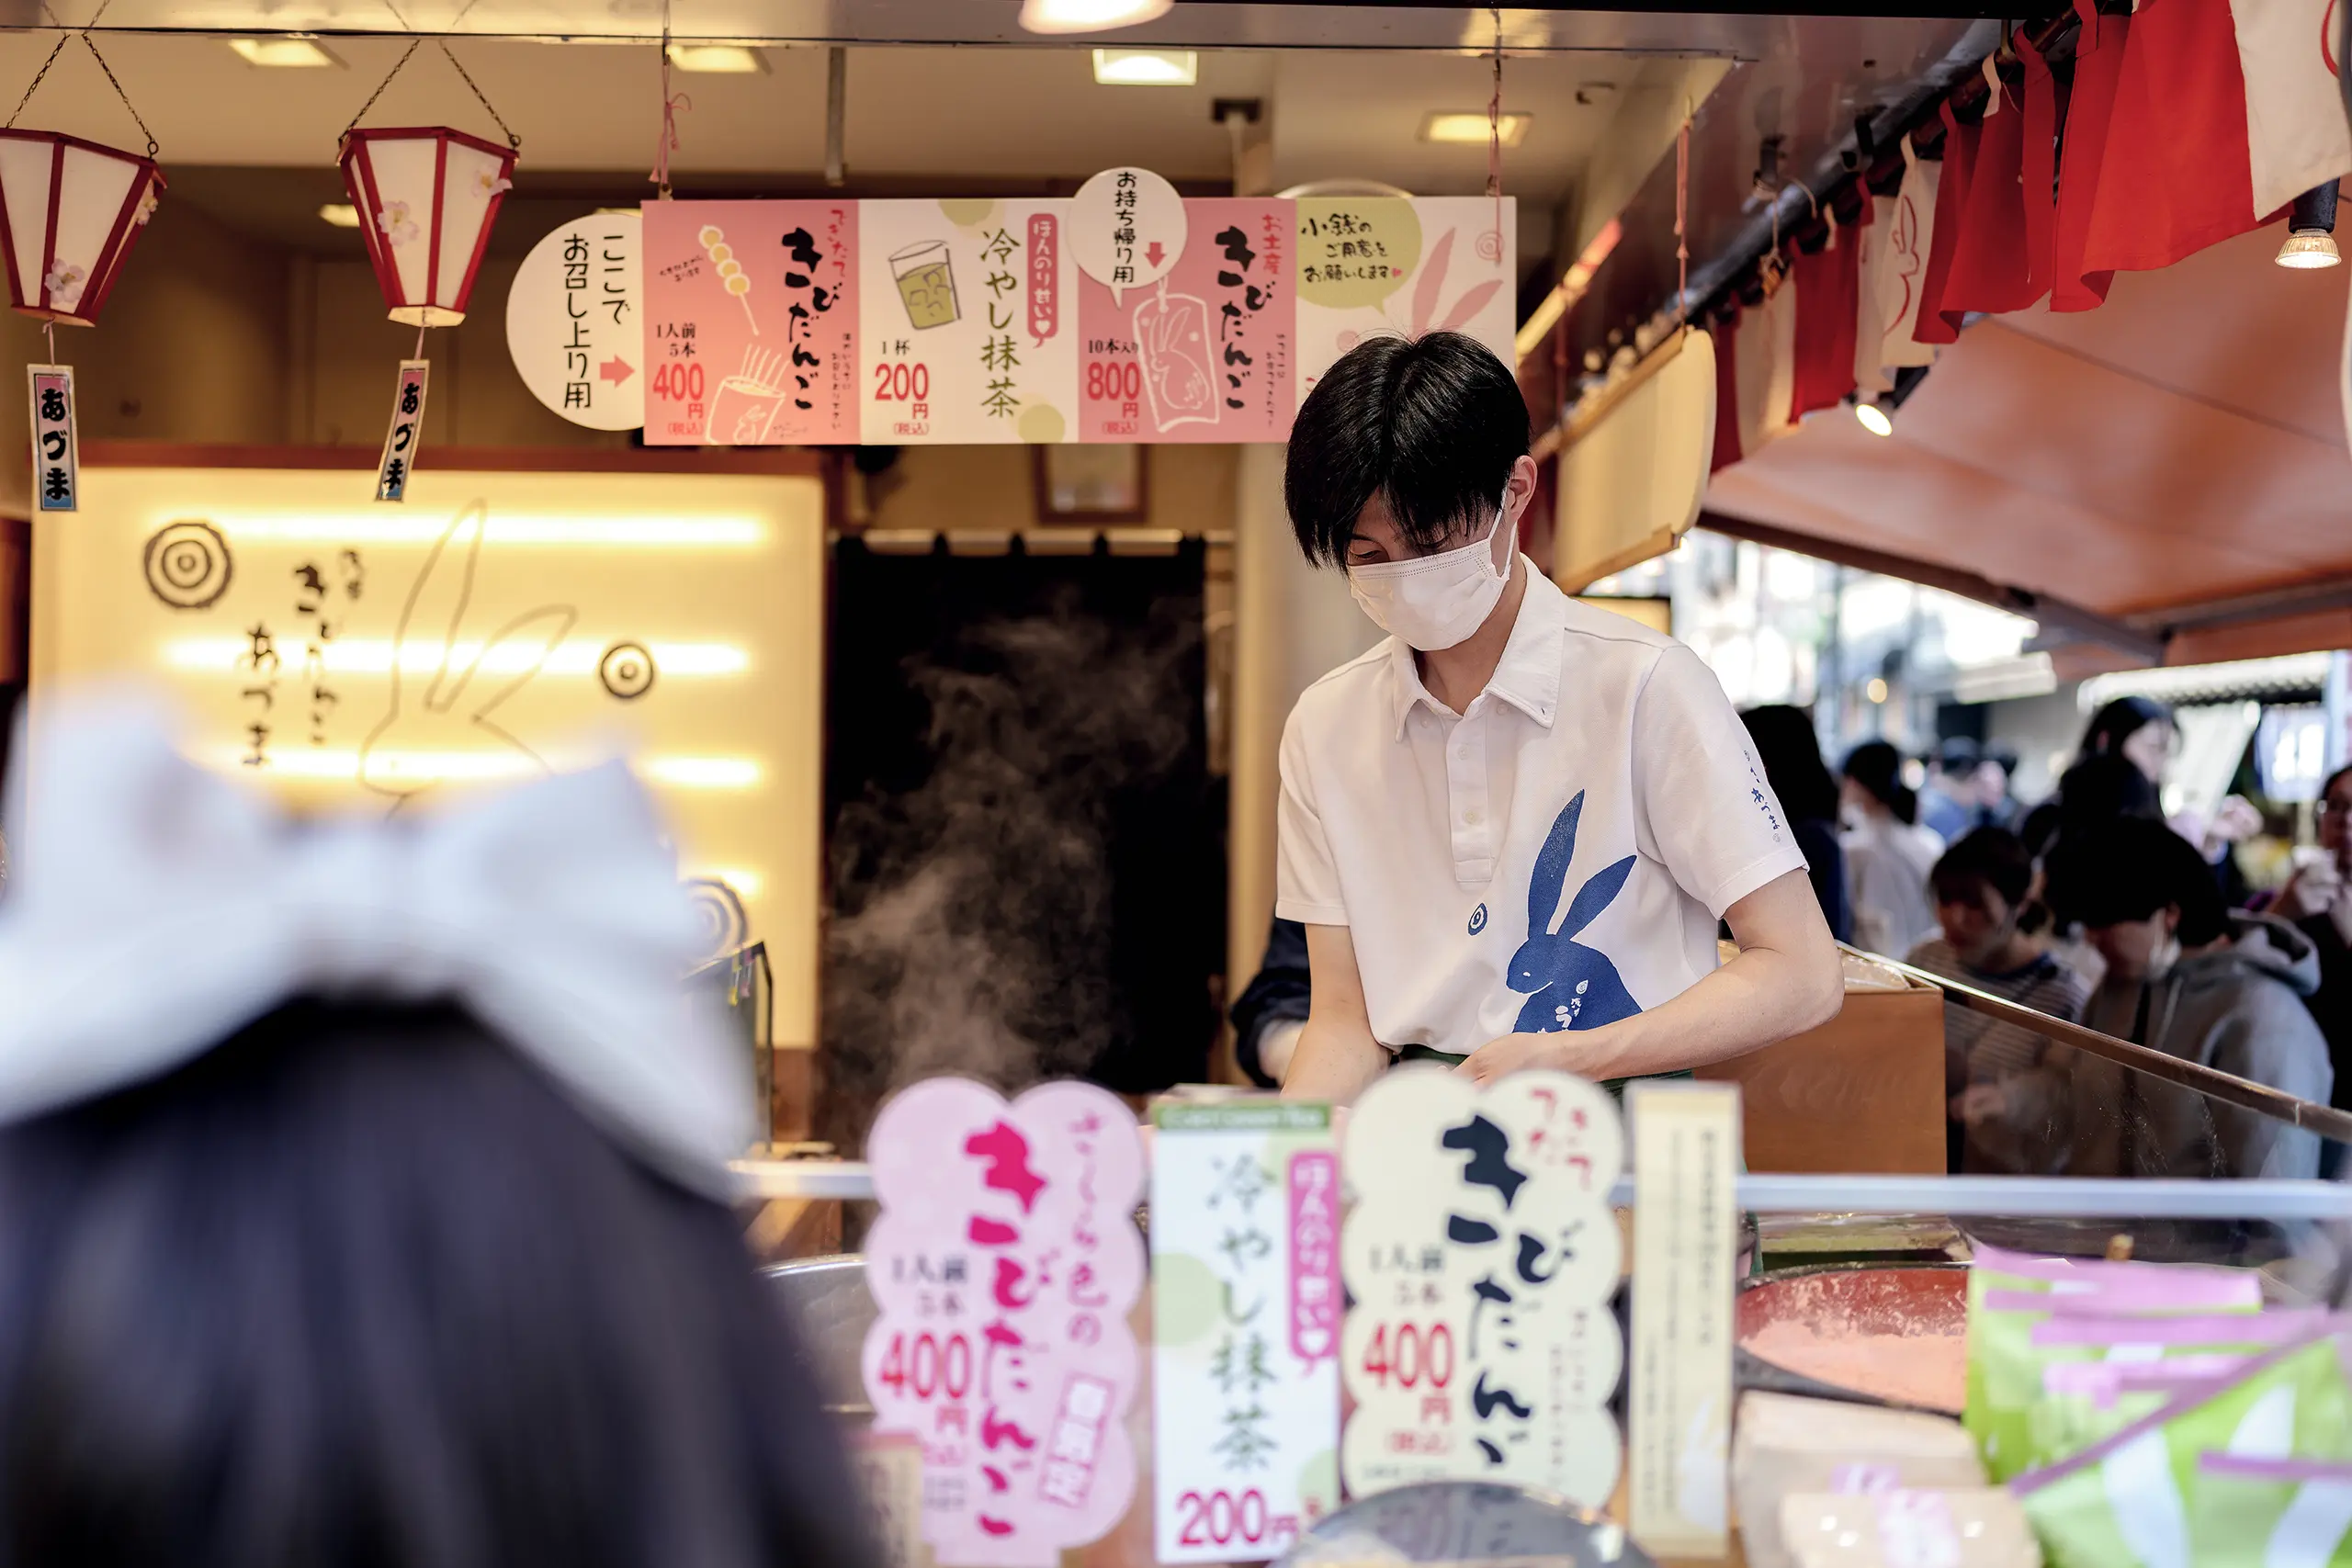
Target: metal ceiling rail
[1983,1197]
[2228,1088]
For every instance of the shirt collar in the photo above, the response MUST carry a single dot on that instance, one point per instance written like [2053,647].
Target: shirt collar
[1529,674]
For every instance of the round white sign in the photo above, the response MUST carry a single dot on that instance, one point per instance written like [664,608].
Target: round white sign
[1126,228]
[573,323]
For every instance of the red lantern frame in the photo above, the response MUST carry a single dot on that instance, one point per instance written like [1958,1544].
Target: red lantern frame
[359,180]
[147,181]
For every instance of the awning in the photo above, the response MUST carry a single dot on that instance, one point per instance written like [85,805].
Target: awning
[2174,460]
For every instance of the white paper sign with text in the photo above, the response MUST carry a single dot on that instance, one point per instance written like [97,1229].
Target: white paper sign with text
[1481,1257]
[1245,1305]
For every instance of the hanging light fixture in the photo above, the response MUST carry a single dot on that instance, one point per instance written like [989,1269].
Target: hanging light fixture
[426,198]
[1877,414]
[69,213]
[2310,231]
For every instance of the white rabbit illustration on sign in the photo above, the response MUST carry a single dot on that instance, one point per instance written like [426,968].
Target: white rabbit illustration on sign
[405,754]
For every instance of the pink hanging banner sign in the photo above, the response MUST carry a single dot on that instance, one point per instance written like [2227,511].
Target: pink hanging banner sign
[1005,1263]
[751,323]
[1206,353]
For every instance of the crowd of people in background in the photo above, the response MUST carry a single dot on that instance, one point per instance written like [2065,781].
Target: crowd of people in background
[2094,907]
[2091,906]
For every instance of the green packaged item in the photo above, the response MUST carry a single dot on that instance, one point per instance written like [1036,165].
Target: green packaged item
[2009,1293]
[2271,1513]
[2100,1374]
[2125,1502]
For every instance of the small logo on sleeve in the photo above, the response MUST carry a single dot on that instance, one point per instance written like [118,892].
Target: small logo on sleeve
[1478,920]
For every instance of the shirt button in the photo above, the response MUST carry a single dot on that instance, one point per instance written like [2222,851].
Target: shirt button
[1472,819]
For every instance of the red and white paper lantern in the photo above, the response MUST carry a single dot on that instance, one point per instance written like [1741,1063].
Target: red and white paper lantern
[69,210]
[427,200]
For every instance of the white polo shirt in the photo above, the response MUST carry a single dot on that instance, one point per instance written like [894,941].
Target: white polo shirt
[1556,857]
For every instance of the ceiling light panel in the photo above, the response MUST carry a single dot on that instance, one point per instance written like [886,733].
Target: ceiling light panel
[1147,67]
[1469,126]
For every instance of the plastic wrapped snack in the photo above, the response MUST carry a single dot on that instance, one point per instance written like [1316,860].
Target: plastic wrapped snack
[1784,1444]
[1977,1528]
[2124,1502]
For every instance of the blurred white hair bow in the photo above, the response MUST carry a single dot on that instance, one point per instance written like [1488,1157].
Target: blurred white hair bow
[157,909]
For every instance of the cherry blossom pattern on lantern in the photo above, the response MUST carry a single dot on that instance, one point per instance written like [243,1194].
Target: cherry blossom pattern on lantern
[1005,1263]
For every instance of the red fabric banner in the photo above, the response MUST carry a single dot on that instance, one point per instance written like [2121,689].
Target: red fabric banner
[1829,303]
[2175,176]
[2099,68]
[1951,202]
[1726,332]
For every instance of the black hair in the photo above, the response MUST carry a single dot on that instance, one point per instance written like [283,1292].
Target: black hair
[1878,768]
[2100,789]
[2327,785]
[2128,868]
[1987,857]
[1791,752]
[2118,721]
[359,1287]
[1430,426]
[1957,756]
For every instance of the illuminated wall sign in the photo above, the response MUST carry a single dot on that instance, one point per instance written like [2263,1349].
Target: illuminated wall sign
[498,625]
[1123,314]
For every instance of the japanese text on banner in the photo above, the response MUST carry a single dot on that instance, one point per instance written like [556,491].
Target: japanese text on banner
[1246,1313]
[406,433]
[1004,1274]
[57,459]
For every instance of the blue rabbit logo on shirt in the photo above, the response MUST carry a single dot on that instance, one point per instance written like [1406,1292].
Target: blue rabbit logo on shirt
[1569,986]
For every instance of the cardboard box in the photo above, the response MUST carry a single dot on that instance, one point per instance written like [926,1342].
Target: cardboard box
[1863,1093]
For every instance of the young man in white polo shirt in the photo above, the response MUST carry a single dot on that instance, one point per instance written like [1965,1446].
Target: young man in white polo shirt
[1510,829]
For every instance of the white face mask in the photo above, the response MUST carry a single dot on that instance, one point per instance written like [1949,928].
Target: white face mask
[1435,602]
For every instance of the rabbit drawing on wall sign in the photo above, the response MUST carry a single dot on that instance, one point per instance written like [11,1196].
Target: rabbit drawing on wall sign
[1569,986]
[448,712]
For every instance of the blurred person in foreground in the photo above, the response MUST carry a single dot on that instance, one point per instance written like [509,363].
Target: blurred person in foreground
[363,1191]
[2187,977]
[2005,1085]
[2318,898]
[1791,752]
[1888,854]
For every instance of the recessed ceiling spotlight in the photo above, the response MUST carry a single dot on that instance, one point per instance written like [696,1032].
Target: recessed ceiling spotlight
[1090,15]
[285,53]
[719,59]
[1470,126]
[1147,67]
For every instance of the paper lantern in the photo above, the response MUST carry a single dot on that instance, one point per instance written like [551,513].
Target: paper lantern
[69,210]
[426,200]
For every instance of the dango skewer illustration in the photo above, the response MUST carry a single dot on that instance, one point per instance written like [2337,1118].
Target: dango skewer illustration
[731,276]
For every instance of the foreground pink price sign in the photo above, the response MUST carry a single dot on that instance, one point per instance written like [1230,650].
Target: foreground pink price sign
[1005,1264]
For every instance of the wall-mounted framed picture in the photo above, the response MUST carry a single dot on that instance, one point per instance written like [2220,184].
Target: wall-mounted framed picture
[1078,483]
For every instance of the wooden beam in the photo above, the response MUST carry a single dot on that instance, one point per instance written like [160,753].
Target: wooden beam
[2087,625]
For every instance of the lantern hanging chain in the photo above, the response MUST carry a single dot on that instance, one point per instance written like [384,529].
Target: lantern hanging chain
[513,141]
[63,40]
[671,103]
[412,48]
[91,44]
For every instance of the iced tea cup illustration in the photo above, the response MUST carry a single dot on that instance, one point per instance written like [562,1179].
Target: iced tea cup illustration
[1173,342]
[926,284]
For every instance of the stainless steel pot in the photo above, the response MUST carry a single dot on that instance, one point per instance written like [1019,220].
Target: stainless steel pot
[826,1299]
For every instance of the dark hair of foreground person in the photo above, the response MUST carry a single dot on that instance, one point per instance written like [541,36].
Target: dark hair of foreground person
[360,1289]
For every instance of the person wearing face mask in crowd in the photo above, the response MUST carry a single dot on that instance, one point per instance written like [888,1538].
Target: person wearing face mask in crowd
[2318,898]
[2188,976]
[2005,1085]
[1509,830]
[1888,854]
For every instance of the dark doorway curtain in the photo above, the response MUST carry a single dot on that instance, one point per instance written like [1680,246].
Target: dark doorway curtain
[1027,878]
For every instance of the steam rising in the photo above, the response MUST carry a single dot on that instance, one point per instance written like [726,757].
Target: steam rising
[974,915]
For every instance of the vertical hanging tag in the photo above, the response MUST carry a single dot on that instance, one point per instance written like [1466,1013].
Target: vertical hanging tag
[406,433]
[57,457]
[1685,1236]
